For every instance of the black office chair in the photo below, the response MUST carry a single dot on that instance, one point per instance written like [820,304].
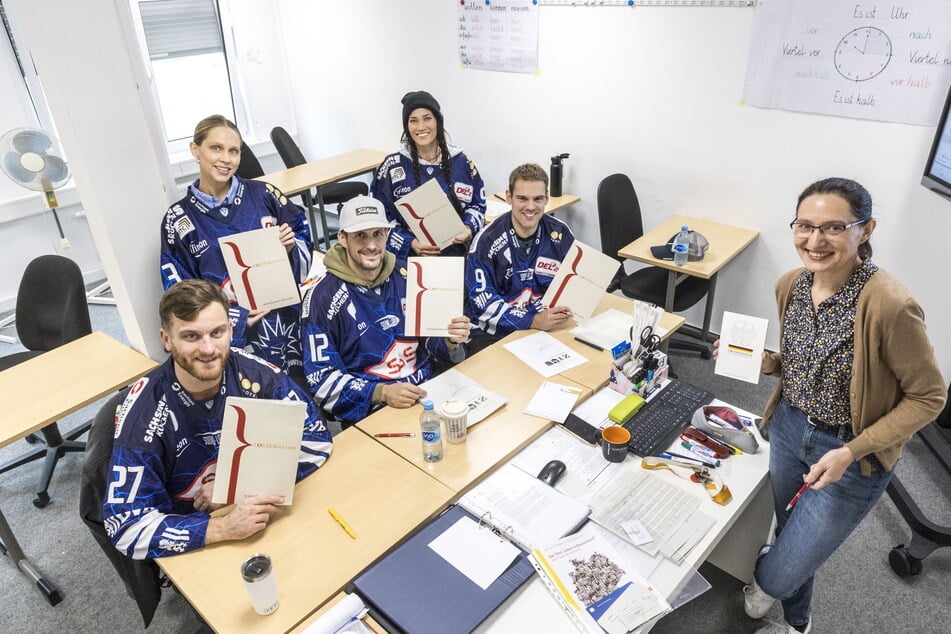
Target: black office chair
[926,535]
[250,166]
[334,194]
[619,219]
[140,577]
[51,311]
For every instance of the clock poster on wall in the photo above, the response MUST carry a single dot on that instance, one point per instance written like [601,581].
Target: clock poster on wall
[868,60]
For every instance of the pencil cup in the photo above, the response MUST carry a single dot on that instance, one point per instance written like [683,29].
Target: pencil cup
[261,583]
[614,441]
[455,415]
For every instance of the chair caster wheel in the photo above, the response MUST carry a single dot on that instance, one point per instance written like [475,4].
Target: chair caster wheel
[41,500]
[32,439]
[902,563]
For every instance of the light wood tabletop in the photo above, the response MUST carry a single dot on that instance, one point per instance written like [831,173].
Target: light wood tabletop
[381,496]
[725,241]
[55,384]
[322,171]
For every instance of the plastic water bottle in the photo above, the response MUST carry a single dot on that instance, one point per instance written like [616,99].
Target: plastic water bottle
[429,430]
[681,246]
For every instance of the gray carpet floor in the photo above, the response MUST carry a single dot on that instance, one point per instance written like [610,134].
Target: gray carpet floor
[856,590]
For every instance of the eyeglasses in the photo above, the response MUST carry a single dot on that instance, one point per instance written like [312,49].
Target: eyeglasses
[830,229]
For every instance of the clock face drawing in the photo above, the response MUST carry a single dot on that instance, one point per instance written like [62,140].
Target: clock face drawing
[863,53]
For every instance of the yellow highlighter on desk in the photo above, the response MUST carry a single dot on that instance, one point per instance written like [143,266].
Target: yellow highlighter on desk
[628,406]
[334,514]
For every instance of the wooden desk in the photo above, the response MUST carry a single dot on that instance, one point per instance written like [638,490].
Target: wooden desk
[379,494]
[554,203]
[84,371]
[725,243]
[302,178]
[490,442]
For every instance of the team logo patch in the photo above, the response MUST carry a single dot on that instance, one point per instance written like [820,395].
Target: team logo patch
[268,221]
[398,362]
[463,192]
[387,322]
[397,174]
[183,226]
[546,267]
[556,236]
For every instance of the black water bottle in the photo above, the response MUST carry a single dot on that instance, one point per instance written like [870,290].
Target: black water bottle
[556,174]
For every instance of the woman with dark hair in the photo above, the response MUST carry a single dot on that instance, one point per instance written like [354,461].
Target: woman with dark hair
[220,203]
[858,377]
[426,154]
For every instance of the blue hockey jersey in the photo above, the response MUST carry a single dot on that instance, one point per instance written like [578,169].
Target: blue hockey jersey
[504,282]
[166,447]
[396,177]
[354,340]
[190,232]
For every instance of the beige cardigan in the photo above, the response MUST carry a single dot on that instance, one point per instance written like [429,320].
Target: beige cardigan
[896,386]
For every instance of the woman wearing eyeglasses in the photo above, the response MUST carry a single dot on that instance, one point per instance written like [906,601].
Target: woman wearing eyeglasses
[858,377]
[426,155]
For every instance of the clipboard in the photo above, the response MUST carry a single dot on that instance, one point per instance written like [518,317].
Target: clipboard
[418,591]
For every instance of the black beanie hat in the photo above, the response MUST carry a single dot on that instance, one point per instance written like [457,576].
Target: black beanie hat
[420,99]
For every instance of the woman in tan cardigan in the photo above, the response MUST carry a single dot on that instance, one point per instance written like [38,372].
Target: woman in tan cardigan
[858,378]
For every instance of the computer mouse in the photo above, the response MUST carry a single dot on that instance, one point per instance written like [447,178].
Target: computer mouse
[552,472]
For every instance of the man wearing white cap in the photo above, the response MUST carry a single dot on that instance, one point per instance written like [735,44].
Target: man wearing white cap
[356,356]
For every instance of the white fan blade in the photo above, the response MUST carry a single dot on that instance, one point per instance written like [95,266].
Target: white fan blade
[55,170]
[31,141]
[12,166]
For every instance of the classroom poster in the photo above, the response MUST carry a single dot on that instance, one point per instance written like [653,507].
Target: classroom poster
[500,35]
[885,61]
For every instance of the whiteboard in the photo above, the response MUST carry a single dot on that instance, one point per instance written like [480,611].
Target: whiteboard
[879,61]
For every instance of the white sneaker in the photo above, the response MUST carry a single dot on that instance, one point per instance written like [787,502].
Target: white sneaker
[781,627]
[755,601]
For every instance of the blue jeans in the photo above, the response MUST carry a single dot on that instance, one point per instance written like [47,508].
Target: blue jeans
[821,520]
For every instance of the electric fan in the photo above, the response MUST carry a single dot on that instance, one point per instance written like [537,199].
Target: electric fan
[33,159]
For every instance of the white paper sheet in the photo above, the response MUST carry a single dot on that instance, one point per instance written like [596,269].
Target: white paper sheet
[545,354]
[742,339]
[260,272]
[434,295]
[553,401]
[453,384]
[476,552]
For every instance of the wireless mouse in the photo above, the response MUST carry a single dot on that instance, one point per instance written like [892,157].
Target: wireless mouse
[552,472]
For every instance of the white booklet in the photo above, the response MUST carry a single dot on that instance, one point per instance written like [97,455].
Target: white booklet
[260,272]
[434,295]
[553,401]
[524,508]
[596,585]
[742,339]
[453,384]
[259,449]
[579,284]
[430,216]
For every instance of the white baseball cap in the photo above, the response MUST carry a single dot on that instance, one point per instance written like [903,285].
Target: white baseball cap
[361,213]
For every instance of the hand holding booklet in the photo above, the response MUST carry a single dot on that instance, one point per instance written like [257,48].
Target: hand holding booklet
[259,269]
[259,449]
[430,216]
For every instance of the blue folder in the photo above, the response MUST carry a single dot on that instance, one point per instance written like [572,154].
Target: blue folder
[419,591]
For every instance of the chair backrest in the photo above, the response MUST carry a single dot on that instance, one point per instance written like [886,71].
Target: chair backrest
[51,304]
[140,577]
[619,214]
[290,153]
[249,167]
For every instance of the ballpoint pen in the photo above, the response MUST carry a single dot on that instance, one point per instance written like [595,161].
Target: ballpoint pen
[395,435]
[500,198]
[796,497]
[342,523]
[670,455]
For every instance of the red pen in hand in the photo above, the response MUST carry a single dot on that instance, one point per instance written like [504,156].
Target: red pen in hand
[796,497]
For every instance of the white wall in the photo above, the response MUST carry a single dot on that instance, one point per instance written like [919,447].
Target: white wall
[653,92]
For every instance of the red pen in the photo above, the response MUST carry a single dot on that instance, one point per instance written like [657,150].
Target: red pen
[796,497]
[400,435]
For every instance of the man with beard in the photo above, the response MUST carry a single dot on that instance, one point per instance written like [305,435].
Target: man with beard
[168,429]
[356,353]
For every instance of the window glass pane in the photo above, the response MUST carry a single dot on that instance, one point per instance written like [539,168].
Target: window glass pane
[188,62]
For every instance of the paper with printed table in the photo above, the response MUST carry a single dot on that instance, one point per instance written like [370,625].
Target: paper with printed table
[260,272]
[259,449]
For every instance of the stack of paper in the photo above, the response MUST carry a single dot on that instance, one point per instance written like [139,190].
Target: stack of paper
[597,587]
[453,384]
[553,401]
[545,354]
